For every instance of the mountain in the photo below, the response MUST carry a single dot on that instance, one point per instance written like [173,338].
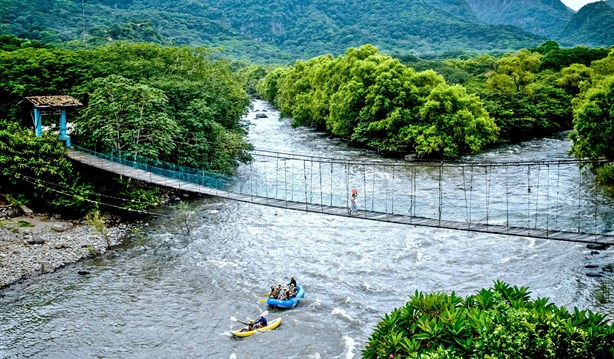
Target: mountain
[592,26]
[310,26]
[542,17]
[264,29]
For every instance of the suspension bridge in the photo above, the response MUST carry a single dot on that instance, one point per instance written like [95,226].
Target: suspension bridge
[552,200]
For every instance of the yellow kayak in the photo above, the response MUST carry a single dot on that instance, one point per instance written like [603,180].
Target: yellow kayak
[272,325]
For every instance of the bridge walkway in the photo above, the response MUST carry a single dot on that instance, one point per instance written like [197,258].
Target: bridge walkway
[159,180]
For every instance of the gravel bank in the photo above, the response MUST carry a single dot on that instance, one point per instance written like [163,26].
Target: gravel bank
[35,245]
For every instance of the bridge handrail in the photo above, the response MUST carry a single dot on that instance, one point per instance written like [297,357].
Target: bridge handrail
[171,170]
[420,162]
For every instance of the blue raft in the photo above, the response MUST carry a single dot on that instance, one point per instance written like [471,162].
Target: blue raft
[290,303]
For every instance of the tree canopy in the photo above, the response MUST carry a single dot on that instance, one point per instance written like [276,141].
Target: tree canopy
[372,99]
[593,134]
[502,321]
[176,104]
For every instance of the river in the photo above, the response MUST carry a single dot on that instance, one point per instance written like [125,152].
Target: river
[171,294]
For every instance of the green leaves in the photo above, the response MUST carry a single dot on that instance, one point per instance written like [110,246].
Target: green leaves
[374,100]
[593,135]
[127,116]
[36,170]
[498,322]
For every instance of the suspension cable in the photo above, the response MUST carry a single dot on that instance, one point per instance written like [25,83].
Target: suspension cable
[529,198]
[440,194]
[487,173]
[537,195]
[507,197]
[548,201]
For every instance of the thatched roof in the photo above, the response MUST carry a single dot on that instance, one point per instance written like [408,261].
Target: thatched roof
[54,101]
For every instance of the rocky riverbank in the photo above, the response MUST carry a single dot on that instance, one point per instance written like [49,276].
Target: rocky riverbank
[34,245]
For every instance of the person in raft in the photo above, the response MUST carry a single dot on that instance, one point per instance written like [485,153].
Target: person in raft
[260,323]
[275,291]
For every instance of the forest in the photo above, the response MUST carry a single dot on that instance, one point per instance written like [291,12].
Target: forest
[283,31]
[175,104]
[447,108]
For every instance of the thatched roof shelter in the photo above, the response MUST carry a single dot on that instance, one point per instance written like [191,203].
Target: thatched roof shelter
[60,101]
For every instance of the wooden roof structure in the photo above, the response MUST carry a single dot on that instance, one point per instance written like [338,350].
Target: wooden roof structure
[60,101]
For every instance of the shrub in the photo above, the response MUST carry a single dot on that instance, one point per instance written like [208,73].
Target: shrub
[499,322]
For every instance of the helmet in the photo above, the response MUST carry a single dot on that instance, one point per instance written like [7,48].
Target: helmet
[251,322]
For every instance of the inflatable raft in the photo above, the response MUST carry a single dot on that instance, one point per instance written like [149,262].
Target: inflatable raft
[290,303]
[272,325]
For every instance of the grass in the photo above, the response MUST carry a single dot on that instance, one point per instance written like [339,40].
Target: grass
[24,224]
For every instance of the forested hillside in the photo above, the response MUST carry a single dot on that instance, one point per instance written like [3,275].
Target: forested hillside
[543,17]
[593,25]
[262,30]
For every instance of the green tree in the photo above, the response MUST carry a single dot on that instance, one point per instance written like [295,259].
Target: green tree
[515,71]
[375,100]
[452,122]
[35,71]
[593,135]
[575,77]
[38,173]
[127,116]
[250,75]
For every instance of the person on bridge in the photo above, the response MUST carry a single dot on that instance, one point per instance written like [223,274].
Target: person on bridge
[354,206]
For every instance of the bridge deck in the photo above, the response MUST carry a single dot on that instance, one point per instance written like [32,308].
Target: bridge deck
[149,177]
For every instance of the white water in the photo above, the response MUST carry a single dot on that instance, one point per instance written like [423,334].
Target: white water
[170,295]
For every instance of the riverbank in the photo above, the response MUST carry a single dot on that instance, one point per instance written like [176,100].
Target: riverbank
[35,245]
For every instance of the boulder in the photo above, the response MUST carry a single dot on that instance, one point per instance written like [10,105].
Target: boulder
[261,115]
[35,240]
[410,157]
[594,274]
[61,227]
[597,246]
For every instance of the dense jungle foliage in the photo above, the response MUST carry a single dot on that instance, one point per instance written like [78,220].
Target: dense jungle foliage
[445,108]
[174,104]
[499,322]
[263,31]
[374,100]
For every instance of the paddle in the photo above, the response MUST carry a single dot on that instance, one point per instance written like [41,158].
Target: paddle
[266,312]
[238,321]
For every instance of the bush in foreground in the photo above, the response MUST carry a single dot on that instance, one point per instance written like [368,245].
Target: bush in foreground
[499,322]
